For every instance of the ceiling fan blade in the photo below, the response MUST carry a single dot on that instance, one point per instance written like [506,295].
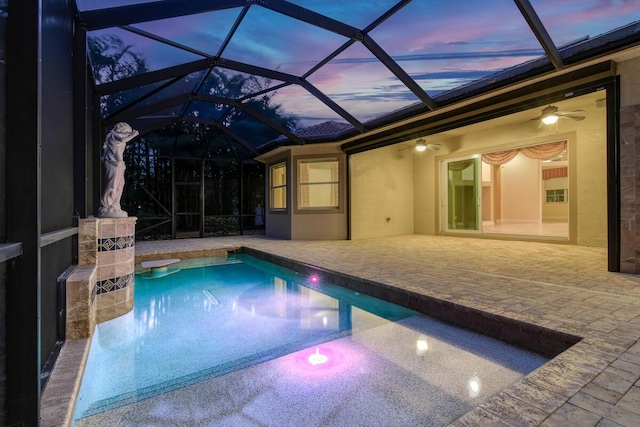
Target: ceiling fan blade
[565,113]
[572,117]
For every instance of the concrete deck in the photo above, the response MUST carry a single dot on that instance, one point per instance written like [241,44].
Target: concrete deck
[555,287]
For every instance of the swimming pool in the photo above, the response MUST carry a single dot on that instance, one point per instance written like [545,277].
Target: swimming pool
[216,322]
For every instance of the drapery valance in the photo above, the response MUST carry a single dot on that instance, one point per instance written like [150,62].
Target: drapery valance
[560,172]
[543,151]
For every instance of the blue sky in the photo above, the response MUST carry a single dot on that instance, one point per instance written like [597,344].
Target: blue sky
[441,44]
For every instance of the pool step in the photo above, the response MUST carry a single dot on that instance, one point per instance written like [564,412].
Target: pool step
[144,267]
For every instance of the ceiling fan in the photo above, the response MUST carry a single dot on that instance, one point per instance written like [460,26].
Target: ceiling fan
[421,145]
[551,114]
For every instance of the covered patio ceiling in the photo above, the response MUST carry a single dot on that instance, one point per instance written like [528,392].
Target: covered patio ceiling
[226,78]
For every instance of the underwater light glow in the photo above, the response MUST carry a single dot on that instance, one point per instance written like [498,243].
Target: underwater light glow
[474,386]
[314,279]
[422,346]
[317,358]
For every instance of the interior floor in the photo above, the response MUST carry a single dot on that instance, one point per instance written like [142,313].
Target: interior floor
[551,229]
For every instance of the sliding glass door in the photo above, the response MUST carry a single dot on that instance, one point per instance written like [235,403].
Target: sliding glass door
[461,199]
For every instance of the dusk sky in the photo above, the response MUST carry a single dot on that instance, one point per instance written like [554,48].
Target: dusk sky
[442,45]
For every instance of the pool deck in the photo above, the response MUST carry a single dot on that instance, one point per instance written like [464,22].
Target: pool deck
[562,288]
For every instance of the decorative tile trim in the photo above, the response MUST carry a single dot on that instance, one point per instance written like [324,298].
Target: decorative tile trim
[115,243]
[115,284]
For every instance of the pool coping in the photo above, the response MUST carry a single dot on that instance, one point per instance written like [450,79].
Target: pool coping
[547,391]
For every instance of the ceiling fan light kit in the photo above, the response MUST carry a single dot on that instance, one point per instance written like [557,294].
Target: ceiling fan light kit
[421,145]
[549,119]
[550,115]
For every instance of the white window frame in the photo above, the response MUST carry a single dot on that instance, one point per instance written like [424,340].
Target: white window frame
[273,188]
[301,184]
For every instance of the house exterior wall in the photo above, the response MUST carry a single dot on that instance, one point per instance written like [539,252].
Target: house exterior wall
[323,224]
[590,162]
[306,224]
[382,193]
[404,186]
[278,223]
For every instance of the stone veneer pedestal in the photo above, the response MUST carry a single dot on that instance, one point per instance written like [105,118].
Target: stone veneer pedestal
[101,287]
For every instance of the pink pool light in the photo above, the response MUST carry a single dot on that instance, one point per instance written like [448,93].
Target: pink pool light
[340,360]
[314,279]
[318,358]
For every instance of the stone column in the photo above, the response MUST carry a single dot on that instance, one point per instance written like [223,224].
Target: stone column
[101,286]
[629,189]
[81,313]
[116,267]
[629,166]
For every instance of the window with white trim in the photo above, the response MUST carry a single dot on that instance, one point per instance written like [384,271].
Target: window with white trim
[556,190]
[278,181]
[318,184]
[557,196]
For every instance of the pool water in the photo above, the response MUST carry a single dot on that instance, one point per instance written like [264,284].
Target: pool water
[204,321]
[242,342]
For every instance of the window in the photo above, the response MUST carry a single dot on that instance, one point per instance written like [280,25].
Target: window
[319,179]
[556,196]
[555,185]
[278,175]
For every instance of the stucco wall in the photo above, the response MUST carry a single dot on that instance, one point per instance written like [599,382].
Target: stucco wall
[319,227]
[278,223]
[591,175]
[381,187]
[425,192]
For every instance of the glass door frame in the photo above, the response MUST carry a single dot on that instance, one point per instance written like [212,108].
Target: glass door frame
[444,194]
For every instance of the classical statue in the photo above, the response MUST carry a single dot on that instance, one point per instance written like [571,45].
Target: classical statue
[112,158]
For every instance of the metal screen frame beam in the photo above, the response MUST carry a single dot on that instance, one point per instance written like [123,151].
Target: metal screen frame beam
[23,198]
[153,77]
[123,15]
[530,15]
[80,108]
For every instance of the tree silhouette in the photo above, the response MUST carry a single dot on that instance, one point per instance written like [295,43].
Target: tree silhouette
[111,60]
[148,193]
